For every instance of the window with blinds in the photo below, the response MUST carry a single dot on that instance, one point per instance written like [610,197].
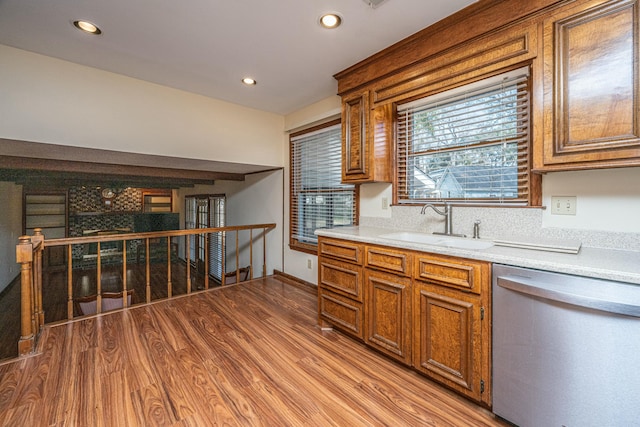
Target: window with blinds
[469,144]
[318,199]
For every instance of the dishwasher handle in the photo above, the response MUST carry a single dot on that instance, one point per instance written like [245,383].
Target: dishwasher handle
[554,292]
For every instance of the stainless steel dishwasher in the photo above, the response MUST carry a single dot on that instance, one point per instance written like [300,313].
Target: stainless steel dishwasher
[566,349]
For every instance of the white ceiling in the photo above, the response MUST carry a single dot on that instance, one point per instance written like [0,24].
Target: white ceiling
[207,46]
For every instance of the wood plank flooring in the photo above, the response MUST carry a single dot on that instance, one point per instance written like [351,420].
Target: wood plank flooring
[243,355]
[54,294]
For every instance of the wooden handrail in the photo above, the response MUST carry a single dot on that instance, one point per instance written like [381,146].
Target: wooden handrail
[151,235]
[29,252]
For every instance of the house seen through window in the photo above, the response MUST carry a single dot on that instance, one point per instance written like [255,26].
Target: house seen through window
[317,196]
[469,144]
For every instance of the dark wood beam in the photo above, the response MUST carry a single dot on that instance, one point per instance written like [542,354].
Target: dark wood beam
[114,171]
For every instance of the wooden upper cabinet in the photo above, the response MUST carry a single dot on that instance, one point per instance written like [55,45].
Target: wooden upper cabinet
[366,140]
[591,87]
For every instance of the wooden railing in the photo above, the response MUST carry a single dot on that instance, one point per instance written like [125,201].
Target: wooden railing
[30,250]
[29,255]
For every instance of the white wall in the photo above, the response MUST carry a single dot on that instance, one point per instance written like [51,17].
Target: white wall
[10,230]
[47,100]
[607,200]
[295,262]
[257,200]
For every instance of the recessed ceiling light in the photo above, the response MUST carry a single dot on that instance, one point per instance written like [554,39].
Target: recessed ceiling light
[330,20]
[87,27]
[249,81]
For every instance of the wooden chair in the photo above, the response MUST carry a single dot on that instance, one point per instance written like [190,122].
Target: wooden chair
[110,301]
[244,274]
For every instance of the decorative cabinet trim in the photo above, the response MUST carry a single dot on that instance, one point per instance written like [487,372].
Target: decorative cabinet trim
[472,59]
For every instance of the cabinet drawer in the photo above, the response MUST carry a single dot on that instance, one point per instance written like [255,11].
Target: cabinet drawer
[343,313]
[460,274]
[340,249]
[387,259]
[341,277]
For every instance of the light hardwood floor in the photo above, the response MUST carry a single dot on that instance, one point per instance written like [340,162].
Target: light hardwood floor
[246,355]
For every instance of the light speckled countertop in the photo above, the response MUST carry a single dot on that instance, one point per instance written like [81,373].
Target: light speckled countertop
[623,266]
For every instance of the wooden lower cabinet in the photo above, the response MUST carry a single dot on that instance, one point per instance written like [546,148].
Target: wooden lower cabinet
[388,314]
[447,338]
[428,311]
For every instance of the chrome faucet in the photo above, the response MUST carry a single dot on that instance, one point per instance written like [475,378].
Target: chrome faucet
[447,214]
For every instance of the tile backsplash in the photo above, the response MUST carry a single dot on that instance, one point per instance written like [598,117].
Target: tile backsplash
[500,223]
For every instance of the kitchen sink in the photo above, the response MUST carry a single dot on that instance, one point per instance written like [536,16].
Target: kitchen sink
[438,240]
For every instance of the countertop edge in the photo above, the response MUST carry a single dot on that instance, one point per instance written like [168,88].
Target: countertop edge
[610,264]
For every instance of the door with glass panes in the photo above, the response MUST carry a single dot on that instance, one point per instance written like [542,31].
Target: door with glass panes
[206,211]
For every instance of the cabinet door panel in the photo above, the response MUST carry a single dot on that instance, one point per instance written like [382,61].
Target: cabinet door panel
[447,334]
[591,84]
[388,326]
[354,148]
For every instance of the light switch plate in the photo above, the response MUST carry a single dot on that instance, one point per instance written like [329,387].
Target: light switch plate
[563,205]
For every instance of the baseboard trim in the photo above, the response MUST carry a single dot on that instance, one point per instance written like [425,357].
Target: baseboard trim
[297,282]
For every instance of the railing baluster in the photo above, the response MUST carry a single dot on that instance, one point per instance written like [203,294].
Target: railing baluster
[237,256]
[147,269]
[69,282]
[169,284]
[124,274]
[189,263]
[38,240]
[264,252]
[206,260]
[223,257]
[99,282]
[250,253]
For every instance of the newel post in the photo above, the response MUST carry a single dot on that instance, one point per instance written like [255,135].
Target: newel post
[24,257]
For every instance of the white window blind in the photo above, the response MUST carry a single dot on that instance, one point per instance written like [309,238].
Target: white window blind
[469,144]
[205,211]
[216,240]
[318,198]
